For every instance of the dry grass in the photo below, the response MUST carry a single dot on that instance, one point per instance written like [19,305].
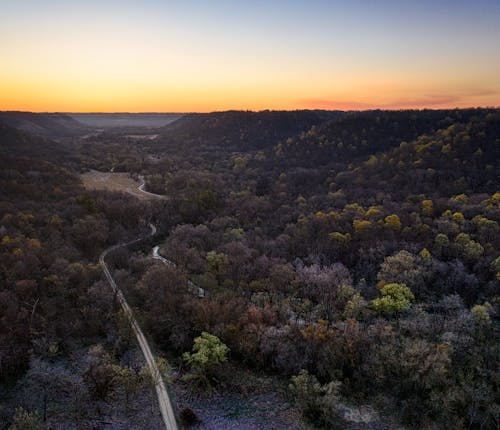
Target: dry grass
[116,181]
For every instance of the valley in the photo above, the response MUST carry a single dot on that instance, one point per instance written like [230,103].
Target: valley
[248,270]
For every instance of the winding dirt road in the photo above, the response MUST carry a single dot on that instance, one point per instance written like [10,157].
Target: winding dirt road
[164,402]
[200,292]
[141,188]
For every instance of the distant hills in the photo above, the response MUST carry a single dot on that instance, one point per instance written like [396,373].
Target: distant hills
[20,143]
[60,125]
[244,129]
[53,125]
[117,120]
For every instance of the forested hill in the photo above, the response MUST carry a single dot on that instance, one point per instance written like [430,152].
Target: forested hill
[359,134]
[243,129]
[362,254]
[53,125]
[51,232]
[17,142]
[461,158]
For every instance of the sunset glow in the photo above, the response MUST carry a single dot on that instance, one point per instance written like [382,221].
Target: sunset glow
[204,56]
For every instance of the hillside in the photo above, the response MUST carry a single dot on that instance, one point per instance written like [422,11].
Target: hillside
[53,125]
[359,134]
[460,158]
[344,258]
[16,142]
[243,129]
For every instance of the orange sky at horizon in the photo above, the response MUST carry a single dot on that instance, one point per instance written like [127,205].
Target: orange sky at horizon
[80,98]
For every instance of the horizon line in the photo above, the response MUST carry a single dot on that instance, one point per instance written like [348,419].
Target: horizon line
[402,109]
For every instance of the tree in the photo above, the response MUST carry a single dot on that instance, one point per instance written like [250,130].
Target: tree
[90,233]
[340,240]
[425,255]
[24,420]
[468,248]
[441,243]
[495,267]
[458,217]
[208,353]
[402,267]
[395,298]
[361,227]
[130,380]
[216,262]
[101,374]
[428,208]
[481,314]
[355,307]
[329,286]
[393,222]
[318,403]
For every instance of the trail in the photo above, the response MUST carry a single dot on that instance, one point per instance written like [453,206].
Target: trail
[164,402]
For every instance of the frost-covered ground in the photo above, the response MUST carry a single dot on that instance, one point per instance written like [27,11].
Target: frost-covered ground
[258,402]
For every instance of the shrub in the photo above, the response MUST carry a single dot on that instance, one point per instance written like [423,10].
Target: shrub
[318,403]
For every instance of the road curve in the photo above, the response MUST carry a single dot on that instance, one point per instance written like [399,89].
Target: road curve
[167,411]
[142,190]
[200,292]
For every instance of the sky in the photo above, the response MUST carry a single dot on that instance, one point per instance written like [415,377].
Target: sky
[185,56]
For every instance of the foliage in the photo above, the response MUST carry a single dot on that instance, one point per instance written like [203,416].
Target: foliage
[208,352]
[298,225]
[481,314]
[24,420]
[395,298]
[319,403]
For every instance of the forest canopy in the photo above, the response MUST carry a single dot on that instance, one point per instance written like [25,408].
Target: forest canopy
[354,254]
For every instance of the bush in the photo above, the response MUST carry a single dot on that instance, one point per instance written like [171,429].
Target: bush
[318,403]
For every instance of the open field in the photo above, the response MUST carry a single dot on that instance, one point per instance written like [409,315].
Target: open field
[113,181]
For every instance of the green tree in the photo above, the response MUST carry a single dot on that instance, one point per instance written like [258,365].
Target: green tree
[394,298]
[468,248]
[216,262]
[208,353]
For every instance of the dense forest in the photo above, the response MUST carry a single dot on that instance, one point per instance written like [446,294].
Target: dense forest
[354,257]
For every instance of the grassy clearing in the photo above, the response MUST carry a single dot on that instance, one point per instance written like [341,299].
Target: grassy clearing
[113,181]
